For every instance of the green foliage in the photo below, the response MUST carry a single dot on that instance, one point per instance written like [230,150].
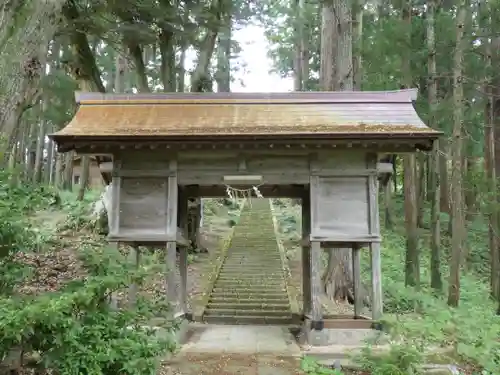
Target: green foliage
[312,367]
[76,331]
[16,233]
[422,316]
[73,330]
[400,360]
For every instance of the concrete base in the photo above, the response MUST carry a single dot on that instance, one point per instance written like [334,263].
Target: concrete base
[317,338]
[344,337]
[181,335]
[211,338]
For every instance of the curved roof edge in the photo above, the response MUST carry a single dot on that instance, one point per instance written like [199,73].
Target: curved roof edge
[396,96]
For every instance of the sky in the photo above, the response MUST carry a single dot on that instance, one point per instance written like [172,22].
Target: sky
[255,77]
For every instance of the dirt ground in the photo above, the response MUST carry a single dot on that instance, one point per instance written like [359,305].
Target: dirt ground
[232,364]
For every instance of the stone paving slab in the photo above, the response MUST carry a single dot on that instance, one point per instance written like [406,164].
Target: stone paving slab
[204,338]
[232,350]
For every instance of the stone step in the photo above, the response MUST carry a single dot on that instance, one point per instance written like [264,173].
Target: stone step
[257,300]
[243,312]
[254,270]
[258,256]
[250,283]
[251,290]
[269,295]
[252,279]
[255,258]
[252,262]
[250,320]
[252,267]
[262,252]
[248,306]
[257,273]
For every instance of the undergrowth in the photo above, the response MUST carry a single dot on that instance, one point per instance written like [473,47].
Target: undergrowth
[72,330]
[420,317]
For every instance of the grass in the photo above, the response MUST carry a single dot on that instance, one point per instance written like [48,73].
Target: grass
[421,316]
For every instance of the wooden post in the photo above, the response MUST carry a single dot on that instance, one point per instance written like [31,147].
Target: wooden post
[306,253]
[377,307]
[113,302]
[135,258]
[356,271]
[316,308]
[171,250]
[182,222]
[114,215]
[376,266]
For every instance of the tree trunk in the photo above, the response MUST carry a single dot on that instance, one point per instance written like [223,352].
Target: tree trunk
[336,73]
[444,194]
[167,53]
[181,75]
[223,74]
[40,144]
[298,81]
[200,79]
[412,259]
[492,158]
[22,59]
[202,82]
[68,171]
[457,214]
[135,51]
[84,69]
[357,40]
[84,178]
[433,165]
[421,184]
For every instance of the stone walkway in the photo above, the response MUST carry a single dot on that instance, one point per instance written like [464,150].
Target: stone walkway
[232,350]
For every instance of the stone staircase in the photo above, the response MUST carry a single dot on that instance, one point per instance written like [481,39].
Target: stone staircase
[251,286]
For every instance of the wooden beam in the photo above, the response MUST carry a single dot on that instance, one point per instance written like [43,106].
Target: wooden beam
[148,239]
[268,191]
[349,324]
[384,168]
[107,146]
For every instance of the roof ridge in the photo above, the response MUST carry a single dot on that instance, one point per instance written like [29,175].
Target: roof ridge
[395,96]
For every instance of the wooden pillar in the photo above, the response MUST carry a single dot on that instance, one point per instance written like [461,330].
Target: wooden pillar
[306,253]
[377,307]
[182,222]
[135,258]
[171,250]
[356,272]
[376,266]
[316,290]
[113,301]
[194,217]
